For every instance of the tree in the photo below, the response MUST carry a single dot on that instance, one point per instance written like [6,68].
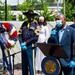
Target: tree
[24,6]
[72,2]
[46,13]
[2,12]
[39,5]
[69,9]
[10,14]
[43,7]
[1,9]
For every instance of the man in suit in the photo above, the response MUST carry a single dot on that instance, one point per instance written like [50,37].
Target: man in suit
[64,35]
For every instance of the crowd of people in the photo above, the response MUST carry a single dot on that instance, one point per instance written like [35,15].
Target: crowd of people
[32,31]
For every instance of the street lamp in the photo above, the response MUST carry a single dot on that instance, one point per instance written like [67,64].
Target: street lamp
[5,10]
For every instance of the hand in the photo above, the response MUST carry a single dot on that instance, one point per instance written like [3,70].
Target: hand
[72,64]
[24,47]
[53,32]
[23,44]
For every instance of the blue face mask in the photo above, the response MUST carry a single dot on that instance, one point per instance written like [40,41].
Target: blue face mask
[59,23]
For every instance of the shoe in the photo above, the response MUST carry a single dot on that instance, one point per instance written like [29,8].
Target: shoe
[4,72]
[37,71]
[40,72]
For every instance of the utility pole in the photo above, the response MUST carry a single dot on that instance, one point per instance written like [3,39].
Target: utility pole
[64,7]
[57,5]
[5,10]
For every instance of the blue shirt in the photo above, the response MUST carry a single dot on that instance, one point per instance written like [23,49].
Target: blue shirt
[61,31]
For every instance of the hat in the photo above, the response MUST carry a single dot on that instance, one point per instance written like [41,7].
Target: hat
[30,12]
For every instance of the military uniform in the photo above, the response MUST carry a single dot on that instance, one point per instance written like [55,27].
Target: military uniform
[29,34]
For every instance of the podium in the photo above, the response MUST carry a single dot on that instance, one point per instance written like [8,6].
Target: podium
[50,64]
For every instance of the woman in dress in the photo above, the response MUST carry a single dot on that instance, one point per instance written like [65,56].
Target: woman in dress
[43,37]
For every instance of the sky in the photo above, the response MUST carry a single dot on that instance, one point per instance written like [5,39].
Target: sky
[13,2]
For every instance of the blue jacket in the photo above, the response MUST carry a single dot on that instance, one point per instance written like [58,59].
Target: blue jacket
[28,34]
[67,41]
[73,25]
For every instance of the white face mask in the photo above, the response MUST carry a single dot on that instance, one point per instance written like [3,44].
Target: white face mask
[59,23]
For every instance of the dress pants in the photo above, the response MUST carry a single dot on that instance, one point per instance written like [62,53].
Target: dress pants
[27,61]
[66,71]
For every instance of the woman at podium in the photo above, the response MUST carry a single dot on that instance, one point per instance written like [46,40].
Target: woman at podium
[64,35]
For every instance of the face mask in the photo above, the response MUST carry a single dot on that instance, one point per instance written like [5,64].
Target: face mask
[30,18]
[40,23]
[59,23]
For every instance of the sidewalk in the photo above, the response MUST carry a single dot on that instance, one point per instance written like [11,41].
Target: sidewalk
[16,72]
